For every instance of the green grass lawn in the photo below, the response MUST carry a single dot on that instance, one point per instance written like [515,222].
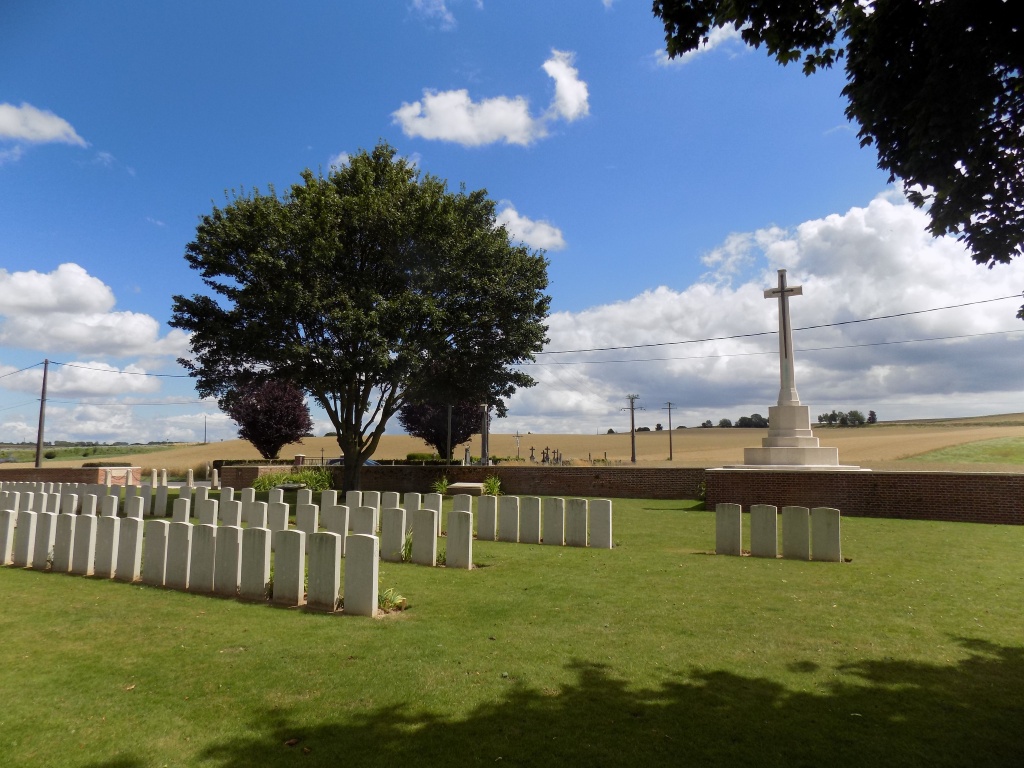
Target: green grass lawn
[654,653]
[1003,450]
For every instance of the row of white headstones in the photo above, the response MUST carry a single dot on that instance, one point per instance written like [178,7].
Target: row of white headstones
[50,527]
[805,533]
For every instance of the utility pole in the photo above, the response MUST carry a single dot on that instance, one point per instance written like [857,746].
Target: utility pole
[484,459]
[632,423]
[448,454]
[42,417]
[668,407]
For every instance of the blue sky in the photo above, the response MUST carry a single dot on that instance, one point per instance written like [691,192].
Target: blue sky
[665,194]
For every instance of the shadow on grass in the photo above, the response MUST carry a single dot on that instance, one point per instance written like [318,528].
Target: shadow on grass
[879,712]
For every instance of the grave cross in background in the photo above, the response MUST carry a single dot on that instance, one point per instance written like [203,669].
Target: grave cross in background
[787,390]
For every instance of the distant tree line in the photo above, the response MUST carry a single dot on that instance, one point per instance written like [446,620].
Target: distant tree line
[835,418]
[848,419]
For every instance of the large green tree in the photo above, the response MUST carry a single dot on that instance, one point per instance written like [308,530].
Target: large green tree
[353,285]
[937,86]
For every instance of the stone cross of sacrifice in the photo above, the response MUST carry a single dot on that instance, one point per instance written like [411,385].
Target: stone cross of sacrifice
[787,389]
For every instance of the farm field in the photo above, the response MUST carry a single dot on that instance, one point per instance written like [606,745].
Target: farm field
[888,445]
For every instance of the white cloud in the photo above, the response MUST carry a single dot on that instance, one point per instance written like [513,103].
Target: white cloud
[570,100]
[454,116]
[436,10]
[69,310]
[536,234]
[27,123]
[338,160]
[870,261]
[719,36]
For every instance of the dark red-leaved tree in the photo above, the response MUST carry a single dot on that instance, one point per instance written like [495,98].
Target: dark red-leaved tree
[270,414]
[429,422]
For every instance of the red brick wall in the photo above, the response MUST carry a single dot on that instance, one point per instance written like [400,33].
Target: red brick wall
[953,496]
[962,497]
[69,475]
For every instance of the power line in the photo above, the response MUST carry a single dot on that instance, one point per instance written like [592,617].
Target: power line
[26,368]
[770,333]
[770,352]
[124,373]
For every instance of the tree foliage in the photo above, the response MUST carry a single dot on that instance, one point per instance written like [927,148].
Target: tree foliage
[270,414]
[754,421]
[429,422]
[354,284]
[937,86]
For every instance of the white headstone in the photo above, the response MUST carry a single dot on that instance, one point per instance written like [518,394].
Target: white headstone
[554,521]
[181,511]
[764,534]
[362,565]
[362,519]
[63,543]
[179,555]
[601,524]
[277,521]
[390,500]
[728,529]
[108,538]
[255,563]
[424,537]
[334,519]
[576,522]
[392,534]
[135,507]
[354,499]
[227,568]
[289,567]
[25,539]
[129,550]
[825,535]
[258,515]
[84,556]
[230,513]
[508,518]
[796,540]
[202,562]
[459,548]
[307,519]
[487,518]
[324,571]
[154,552]
[160,502]
[206,512]
[46,532]
[529,520]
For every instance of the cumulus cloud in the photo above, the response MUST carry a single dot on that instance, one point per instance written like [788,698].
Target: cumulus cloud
[868,262]
[69,310]
[536,234]
[720,36]
[570,102]
[454,116]
[37,126]
[339,160]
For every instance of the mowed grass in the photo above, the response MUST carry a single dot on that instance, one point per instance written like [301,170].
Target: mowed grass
[654,653]
[1007,450]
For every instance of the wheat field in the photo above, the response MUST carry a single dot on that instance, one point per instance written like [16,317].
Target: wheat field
[887,445]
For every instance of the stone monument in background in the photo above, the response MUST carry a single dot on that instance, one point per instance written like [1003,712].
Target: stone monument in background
[790,443]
